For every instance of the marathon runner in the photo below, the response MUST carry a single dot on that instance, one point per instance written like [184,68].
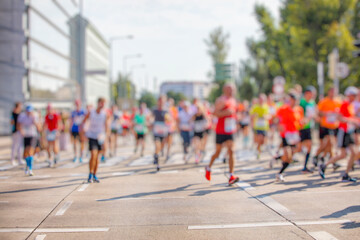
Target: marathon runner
[77,117]
[245,120]
[200,124]
[225,111]
[160,129]
[98,127]
[52,125]
[185,127]
[17,139]
[173,116]
[28,125]
[115,129]
[140,129]
[345,137]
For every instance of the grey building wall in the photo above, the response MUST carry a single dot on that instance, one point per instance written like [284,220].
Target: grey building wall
[12,70]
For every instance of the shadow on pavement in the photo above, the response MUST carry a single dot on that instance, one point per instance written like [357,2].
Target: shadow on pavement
[344,212]
[38,189]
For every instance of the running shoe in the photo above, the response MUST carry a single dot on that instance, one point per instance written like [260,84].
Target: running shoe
[31,173]
[315,161]
[156,160]
[26,170]
[322,168]
[347,178]
[306,170]
[207,174]
[80,160]
[280,178]
[336,166]
[103,159]
[233,180]
[90,179]
[158,167]
[95,178]
[74,159]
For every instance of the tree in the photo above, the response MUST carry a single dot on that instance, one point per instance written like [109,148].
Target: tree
[218,45]
[177,96]
[148,98]
[123,88]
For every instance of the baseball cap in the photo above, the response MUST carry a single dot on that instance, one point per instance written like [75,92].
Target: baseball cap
[29,108]
[351,91]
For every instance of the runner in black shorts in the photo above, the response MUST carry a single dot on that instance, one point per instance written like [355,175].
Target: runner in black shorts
[200,123]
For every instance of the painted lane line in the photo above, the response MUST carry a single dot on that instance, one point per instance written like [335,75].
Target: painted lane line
[78,175]
[64,208]
[273,204]
[4,201]
[243,225]
[245,186]
[300,223]
[40,237]
[15,230]
[322,235]
[169,172]
[151,198]
[41,176]
[4,177]
[83,187]
[68,230]
[122,173]
[251,168]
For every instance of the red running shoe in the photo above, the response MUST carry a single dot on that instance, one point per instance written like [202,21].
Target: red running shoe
[207,174]
[233,180]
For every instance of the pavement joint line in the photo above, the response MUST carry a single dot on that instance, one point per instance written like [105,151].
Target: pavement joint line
[322,235]
[63,209]
[83,187]
[40,237]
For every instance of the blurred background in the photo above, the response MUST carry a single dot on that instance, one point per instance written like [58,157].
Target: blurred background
[129,51]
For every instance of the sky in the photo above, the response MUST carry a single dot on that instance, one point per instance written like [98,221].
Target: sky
[169,34]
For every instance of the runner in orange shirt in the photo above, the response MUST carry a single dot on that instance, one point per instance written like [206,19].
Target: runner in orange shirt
[171,123]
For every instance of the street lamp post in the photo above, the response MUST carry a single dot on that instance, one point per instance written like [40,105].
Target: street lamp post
[126,57]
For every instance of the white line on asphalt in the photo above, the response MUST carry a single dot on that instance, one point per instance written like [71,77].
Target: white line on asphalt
[245,186]
[323,222]
[42,176]
[66,230]
[251,168]
[122,173]
[13,230]
[4,177]
[169,172]
[83,187]
[276,206]
[64,208]
[4,201]
[322,235]
[264,224]
[78,175]
[151,198]
[243,225]
[40,237]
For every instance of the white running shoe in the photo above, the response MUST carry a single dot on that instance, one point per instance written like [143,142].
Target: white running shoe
[280,178]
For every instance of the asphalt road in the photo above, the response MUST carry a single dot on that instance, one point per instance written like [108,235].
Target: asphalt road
[133,201]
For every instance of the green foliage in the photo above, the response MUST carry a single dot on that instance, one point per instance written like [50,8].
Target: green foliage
[177,96]
[307,32]
[124,88]
[218,45]
[246,91]
[148,98]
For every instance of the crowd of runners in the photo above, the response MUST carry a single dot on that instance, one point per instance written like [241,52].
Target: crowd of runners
[331,126]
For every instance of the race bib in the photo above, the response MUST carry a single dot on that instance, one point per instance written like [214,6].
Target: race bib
[101,138]
[185,126]
[28,131]
[114,126]
[260,123]
[78,120]
[310,111]
[292,138]
[246,120]
[331,118]
[230,125]
[351,128]
[51,136]
[160,129]
[199,126]
[139,128]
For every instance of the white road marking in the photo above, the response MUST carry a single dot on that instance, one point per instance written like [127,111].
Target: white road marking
[14,230]
[245,186]
[112,161]
[64,208]
[4,177]
[41,176]
[122,173]
[67,230]
[264,224]
[243,225]
[83,187]
[78,175]
[169,172]
[6,167]
[40,237]
[4,201]
[274,204]
[252,168]
[322,222]
[322,235]
[151,198]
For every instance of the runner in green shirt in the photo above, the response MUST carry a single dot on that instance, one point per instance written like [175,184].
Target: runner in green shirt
[140,129]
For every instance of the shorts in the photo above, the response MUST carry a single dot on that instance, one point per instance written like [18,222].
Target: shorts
[37,144]
[305,134]
[221,138]
[243,125]
[357,131]
[261,132]
[323,132]
[285,143]
[29,142]
[199,134]
[344,140]
[207,131]
[114,131]
[75,135]
[94,145]
[51,136]
[159,138]
[140,136]
[186,136]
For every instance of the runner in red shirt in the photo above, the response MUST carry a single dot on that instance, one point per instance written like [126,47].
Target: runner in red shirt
[52,126]
[345,136]
[225,111]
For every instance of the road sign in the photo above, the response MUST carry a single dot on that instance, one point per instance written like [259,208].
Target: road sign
[223,71]
[342,70]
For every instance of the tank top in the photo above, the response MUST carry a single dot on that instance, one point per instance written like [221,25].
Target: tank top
[227,125]
[97,125]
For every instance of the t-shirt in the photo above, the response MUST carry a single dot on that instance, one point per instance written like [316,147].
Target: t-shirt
[140,123]
[52,121]
[160,129]
[288,119]
[309,112]
[27,123]
[260,112]
[14,117]
[347,110]
[227,125]
[329,109]
[184,120]
[77,118]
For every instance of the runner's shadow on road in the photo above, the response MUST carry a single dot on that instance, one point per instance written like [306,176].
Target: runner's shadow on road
[147,194]
[344,212]
[37,189]
[225,188]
